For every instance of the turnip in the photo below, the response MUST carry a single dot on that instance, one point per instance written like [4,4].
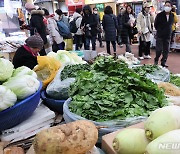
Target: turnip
[162,121]
[168,143]
[130,141]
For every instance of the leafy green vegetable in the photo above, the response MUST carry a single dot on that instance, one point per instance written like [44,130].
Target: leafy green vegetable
[144,69]
[113,91]
[175,80]
[6,69]
[70,71]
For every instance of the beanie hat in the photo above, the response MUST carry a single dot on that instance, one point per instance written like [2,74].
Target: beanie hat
[35,41]
[29,6]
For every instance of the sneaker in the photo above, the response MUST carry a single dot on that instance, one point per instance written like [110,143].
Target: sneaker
[147,57]
[141,58]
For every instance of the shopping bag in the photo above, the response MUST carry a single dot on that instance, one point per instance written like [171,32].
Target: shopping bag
[68,44]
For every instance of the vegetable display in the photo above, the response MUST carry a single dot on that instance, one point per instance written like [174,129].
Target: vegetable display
[175,80]
[130,141]
[23,70]
[23,86]
[7,98]
[162,121]
[66,58]
[113,91]
[168,143]
[144,69]
[71,71]
[73,138]
[6,69]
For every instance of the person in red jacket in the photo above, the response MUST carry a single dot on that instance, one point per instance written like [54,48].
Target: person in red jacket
[27,54]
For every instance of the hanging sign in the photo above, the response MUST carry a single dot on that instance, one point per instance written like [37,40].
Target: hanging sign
[100,7]
[74,2]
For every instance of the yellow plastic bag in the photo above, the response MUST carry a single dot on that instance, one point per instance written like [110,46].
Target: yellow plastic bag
[46,69]
[68,44]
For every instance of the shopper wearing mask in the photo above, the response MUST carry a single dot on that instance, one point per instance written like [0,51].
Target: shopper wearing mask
[27,54]
[163,24]
[99,30]
[89,24]
[144,26]
[128,22]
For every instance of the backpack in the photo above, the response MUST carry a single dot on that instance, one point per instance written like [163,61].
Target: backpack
[72,26]
[64,30]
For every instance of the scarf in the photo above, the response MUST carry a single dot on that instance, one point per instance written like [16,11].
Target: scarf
[30,51]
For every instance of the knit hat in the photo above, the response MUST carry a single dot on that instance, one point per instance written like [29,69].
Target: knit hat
[35,41]
[30,6]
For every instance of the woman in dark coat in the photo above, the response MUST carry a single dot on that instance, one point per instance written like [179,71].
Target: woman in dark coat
[110,28]
[26,55]
[37,24]
[128,22]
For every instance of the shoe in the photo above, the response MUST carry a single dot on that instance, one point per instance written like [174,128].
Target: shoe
[141,58]
[147,57]
[164,65]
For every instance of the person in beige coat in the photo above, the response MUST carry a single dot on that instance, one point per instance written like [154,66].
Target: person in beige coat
[144,25]
[55,38]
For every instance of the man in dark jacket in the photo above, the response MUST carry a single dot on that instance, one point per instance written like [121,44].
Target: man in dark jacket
[36,24]
[89,23]
[163,24]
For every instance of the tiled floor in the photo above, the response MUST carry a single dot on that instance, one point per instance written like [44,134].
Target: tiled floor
[173,59]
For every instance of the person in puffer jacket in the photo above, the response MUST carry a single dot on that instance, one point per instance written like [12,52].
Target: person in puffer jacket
[37,25]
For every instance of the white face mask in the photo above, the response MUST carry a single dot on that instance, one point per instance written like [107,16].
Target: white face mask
[167,9]
[95,12]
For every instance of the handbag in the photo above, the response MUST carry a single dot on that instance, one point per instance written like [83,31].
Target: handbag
[88,32]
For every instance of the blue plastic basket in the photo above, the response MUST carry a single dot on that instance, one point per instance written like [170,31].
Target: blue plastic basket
[53,104]
[20,111]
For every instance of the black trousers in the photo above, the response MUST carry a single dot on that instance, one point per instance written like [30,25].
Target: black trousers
[99,39]
[78,41]
[108,46]
[162,47]
[144,47]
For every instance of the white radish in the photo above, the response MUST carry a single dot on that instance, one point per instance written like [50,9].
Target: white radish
[130,141]
[168,143]
[162,121]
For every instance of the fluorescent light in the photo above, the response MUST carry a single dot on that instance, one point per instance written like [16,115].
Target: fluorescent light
[55,2]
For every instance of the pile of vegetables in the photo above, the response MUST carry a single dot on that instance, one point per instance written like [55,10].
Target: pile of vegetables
[16,84]
[73,138]
[144,69]
[66,57]
[110,90]
[58,89]
[160,136]
[174,79]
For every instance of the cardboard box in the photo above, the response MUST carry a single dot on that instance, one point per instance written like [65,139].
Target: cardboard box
[108,139]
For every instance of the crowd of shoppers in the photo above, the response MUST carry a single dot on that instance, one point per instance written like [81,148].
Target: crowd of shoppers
[120,29]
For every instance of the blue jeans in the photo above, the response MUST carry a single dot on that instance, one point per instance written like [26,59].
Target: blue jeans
[93,42]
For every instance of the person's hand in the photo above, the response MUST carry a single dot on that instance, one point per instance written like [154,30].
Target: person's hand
[131,24]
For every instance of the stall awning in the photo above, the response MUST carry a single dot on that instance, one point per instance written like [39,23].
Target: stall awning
[74,2]
[128,1]
[98,1]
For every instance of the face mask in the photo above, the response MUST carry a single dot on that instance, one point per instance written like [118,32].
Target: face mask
[95,12]
[167,9]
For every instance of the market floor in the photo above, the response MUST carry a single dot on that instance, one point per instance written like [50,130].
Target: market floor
[173,60]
